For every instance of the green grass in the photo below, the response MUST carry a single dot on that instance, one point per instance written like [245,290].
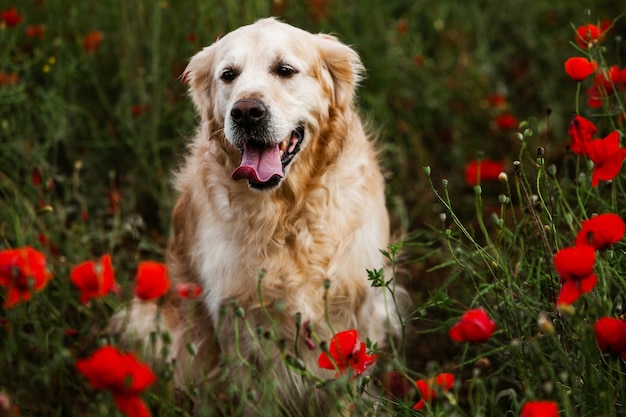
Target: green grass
[104,187]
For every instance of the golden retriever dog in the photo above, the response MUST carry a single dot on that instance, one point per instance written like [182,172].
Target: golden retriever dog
[280,193]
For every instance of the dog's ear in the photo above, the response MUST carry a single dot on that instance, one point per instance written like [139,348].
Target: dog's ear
[199,77]
[345,67]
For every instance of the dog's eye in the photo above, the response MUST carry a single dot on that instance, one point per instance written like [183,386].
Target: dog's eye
[284,70]
[229,75]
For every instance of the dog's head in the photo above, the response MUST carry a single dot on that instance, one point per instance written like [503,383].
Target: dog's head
[271,87]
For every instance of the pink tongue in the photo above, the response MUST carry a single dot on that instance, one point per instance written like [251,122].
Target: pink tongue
[259,164]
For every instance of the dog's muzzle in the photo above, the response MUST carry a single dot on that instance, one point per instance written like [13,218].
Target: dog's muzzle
[263,161]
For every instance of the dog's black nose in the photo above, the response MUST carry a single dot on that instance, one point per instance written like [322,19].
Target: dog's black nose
[248,112]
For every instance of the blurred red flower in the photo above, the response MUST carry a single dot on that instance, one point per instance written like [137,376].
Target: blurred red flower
[475,326]
[496,100]
[35,31]
[579,68]
[22,271]
[483,170]
[396,385]
[604,84]
[11,17]
[91,41]
[580,132]
[8,78]
[189,290]
[601,231]
[611,335]
[151,281]
[575,267]
[318,9]
[429,388]
[346,352]
[93,278]
[540,409]
[122,374]
[506,121]
[588,34]
[137,110]
[607,157]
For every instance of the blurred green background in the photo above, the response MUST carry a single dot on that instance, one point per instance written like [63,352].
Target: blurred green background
[122,111]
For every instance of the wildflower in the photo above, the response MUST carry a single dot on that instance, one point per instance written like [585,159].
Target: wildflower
[346,352]
[604,84]
[70,332]
[540,409]
[545,324]
[611,335]
[429,388]
[318,9]
[22,271]
[151,281]
[189,290]
[607,157]
[93,278]
[114,199]
[588,34]
[496,100]
[475,326]
[8,78]
[11,17]
[91,41]
[506,121]
[575,267]
[579,68]
[580,132]
[137,110]
[122,374]
[402,27]
[482,170]
[601,231]
[396,385]
[35,31]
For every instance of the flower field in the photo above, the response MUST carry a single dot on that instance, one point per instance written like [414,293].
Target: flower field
[501,130]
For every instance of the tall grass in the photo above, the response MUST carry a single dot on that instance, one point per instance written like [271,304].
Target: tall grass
[88,139]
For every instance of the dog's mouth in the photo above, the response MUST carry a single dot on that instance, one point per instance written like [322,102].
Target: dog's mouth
[264,165]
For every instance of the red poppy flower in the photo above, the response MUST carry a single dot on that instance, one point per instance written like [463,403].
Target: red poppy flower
[35,31]
[588,34]
[151,281]
[93,278]
[429,388]
[496,100]
[346,352]
[11,17]
[575,267]
[91,41]
[396,385]
[22,271]
[580,132]
[611,335]
[604,84]
[601,231]
[475,326]
[189,290]
[540,409]
[8,78]
[506,121]
[483,170]
[122,374]
[579,68]
[607,157]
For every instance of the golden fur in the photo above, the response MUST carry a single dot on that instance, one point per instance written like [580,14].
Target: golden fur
[325,220]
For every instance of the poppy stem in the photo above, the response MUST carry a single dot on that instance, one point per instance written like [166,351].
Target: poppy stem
[577,96]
